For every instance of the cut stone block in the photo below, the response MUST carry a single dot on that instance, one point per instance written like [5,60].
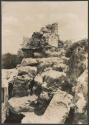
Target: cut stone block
[56,112]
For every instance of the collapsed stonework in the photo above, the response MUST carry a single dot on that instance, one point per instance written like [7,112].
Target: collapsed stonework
[47,35]
[41,41]
[51,80]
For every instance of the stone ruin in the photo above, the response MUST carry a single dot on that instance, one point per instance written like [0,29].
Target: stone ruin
[41,41]
[52,87]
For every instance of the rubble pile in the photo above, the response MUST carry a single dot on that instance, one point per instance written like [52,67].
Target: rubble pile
[51,80]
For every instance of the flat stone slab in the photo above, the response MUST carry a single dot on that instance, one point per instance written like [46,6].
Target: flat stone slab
[56,112]
[27,69]
[21,104]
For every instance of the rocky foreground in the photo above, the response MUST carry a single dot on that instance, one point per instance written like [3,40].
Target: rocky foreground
[52,88]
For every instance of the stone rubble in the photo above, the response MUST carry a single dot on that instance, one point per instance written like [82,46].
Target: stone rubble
[51,79]
[59,105]
[19,104]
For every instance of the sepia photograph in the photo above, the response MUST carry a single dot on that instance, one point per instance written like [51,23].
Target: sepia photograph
[44,62]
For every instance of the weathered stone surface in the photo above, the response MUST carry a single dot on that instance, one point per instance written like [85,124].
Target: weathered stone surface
[53,62]
[77,54]
[56,112]
[81,103]
[20,87]
[38,79]
[55,52]
[38,55]
[50,60]
[42,62]
[25,77]
[52,85]
[20,91]
[27,70]
[41,40]
[60,67]
[44,96]
[52,54]
[22,104]
[50,79]
[29,62]
[82,84]
[59,105]
[42,66]
[81,92]
[79,45]
[53,78]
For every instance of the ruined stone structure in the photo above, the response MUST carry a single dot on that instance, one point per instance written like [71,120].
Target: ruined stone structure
[50,32]
[40,41]
[52,86]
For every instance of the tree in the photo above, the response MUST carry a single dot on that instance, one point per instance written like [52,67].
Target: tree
[10,60]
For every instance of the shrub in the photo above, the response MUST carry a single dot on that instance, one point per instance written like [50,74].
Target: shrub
[10,60]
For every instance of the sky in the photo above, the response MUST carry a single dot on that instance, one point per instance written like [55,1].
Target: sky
[21,19]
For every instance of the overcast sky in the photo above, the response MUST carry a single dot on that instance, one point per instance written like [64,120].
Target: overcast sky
[21,19]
